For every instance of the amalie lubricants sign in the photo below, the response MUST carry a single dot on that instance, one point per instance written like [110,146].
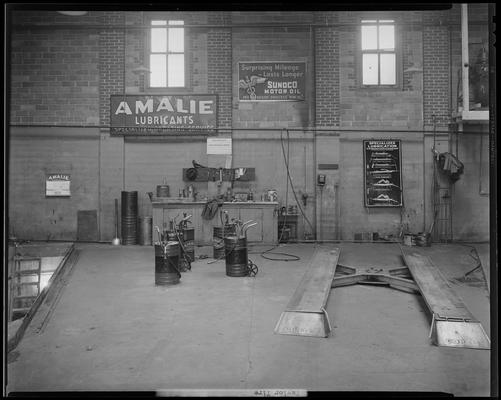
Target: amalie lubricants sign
[271,81]
[162,114]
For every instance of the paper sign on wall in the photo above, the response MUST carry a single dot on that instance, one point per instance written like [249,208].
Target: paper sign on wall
[57,185]
[219,146]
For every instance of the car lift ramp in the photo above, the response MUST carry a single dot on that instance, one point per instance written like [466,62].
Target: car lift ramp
[305,313]
[452,325]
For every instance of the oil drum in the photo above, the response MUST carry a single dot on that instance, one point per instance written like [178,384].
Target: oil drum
[218,235]
[188,237]
[129,217]
[163,191]
[236,256]
[145,231]
[166,268]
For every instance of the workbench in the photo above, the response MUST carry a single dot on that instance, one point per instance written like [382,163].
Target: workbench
[264,213]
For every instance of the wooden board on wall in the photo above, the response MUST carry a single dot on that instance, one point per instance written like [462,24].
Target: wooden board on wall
[212,174]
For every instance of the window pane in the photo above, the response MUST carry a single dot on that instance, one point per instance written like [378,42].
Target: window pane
[176,22]
[387,37]
[176,39]
[158,69]
[158,40]
[158,22]
[370,69]
[176,70]
[386,21]
[366,21]
[388,76]
[369,37]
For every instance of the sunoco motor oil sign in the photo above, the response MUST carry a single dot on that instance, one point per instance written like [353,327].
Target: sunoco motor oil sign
[271,81]
[149,114]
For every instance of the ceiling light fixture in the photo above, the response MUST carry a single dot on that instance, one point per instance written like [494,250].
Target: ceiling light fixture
[141,70]
[73,13]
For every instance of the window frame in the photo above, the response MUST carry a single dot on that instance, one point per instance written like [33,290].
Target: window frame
[397,51]
[148,52]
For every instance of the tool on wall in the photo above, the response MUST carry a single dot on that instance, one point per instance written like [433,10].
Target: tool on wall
[116,239]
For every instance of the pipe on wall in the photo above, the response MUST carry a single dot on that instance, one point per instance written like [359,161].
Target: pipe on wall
[332,131]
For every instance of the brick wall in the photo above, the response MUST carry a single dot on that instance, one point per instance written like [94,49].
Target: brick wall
[436,72]
[111,62]
[272,43]
[35,152]
[379,108]
[54,75]
[326,72]
[77,90]
[219,56]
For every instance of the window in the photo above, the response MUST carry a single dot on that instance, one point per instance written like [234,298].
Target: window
[167,54]
[378,52]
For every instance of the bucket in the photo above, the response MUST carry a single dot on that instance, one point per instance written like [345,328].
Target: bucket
[145,231]
[166,268]
[409,240]
[163,191]
[218,235]
[236,256]
[129,217]
[423,239]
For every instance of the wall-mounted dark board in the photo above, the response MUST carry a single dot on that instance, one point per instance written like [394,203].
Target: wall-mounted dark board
[328,166]
[213,174]
[87,225]
[382,173]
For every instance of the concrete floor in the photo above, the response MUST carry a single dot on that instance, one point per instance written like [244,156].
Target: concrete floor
[113,329]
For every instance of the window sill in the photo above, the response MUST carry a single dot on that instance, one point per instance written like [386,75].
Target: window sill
[168,90]
[473,116]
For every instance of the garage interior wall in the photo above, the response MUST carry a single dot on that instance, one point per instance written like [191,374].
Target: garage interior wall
[63,70]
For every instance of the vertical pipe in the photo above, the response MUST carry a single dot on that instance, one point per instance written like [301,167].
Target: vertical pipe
[315,187]
[465,57]
[305,192]
[313,122]
[99,186]
[424,183]
[124,90]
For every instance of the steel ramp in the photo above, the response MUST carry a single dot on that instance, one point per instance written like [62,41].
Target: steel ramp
[452,325]
[305,313]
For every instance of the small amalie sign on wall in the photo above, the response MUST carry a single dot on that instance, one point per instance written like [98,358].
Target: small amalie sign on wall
[57,185]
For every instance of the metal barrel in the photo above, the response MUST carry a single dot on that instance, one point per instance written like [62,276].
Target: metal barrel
[166,266]
[218,235]
[129,217]
[163,191]
[236,256]
[188,238]
[145,231]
